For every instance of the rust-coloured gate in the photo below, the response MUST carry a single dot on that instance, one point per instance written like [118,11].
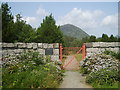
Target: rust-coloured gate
[76,50]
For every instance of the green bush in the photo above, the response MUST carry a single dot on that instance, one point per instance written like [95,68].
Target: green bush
[84,70]
[102,78]
[114,54]
[29,70]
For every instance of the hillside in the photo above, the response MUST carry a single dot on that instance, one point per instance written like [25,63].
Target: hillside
[73,31]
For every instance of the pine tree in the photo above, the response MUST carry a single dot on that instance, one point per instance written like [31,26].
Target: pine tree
[49,32]
[105,38]
[7,23]
[92,38]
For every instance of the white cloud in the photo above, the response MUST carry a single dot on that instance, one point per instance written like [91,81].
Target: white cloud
[93,22]
[42,12]
[110,21]
[86,20]
[36,20]
[31,20]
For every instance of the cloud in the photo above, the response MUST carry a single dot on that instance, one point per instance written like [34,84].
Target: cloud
[31,20]
[42,12]
[86,20]
[37,19]
[94,22]
[110,21]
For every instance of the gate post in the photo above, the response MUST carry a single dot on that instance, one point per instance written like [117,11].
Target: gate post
[83,51]
[61,51]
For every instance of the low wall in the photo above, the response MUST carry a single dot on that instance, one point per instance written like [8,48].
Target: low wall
[99,47]
[44,49]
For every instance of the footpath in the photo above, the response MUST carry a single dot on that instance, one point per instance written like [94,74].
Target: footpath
[73,79]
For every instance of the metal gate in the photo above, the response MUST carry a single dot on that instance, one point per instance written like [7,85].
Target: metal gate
[76,50]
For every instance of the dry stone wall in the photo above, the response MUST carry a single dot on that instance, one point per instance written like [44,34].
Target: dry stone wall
[44,49]
[99,47]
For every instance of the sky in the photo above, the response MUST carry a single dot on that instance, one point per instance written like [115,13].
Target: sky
[95,18]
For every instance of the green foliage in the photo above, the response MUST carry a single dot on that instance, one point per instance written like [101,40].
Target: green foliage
[29,70]
[24,32]
[7,23]
[102,78]
[15,31]
[92,38]
[105,38]
[48,32]
[112,38]
[83,70]
[19,31]
[71,42]
[114,54]
[78,57]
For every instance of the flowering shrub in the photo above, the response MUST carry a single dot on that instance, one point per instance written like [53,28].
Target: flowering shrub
[102,77]
[30,70]
[114,54]
[101,70]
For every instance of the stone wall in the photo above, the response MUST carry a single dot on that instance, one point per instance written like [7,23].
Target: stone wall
[99,47]
[44,49]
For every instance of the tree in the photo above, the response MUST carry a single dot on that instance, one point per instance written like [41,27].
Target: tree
[113,39]
[49,32]
[105,38]
[24,32]
[92,38]
[7,23]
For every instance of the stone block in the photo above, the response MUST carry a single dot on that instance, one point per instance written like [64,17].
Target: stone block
[50,45]
[15,45]
[10,45]
[21,45]
[0,45]
[29,45]
[54,57]
[95,44]
[102,49]
[56,45]
[40,45]
[116,49]
[89,45]
[11,52]
[4,45]
[109,44]
[18,51]
[34,45]
[108,49]
[56,51]
[117,44]
[45,45]
[102,44]
[0,53]
[4,52]
[41,51]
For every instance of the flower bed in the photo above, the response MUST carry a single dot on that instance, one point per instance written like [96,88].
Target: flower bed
[30,70]
[101,70]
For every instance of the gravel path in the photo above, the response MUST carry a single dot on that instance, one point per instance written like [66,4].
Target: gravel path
[73,79]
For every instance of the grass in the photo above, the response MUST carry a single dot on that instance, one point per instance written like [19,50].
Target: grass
[64,58]
[78,57]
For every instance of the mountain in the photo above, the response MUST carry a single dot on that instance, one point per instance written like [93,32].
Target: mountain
[73,31]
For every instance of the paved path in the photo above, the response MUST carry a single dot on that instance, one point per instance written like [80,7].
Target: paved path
[73,79]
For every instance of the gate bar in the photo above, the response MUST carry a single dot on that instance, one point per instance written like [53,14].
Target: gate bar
[61,51]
